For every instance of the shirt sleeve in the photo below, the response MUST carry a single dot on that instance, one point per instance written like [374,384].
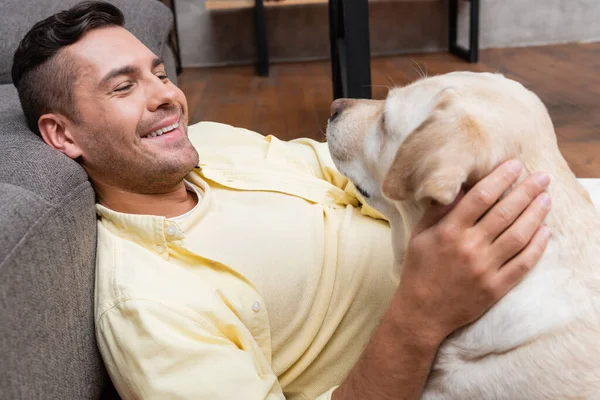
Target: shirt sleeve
[158,351]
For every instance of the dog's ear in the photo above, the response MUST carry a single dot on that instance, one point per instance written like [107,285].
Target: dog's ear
[436,159]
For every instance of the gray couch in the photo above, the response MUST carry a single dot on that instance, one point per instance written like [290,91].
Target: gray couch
[48,232]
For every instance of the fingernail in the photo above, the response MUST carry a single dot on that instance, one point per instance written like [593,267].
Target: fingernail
[543,180]
[544,200]
[515,165]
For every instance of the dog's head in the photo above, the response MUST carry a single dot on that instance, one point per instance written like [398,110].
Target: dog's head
[428,139]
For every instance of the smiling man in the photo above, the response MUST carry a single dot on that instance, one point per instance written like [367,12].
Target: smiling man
[102,100]
[235,266]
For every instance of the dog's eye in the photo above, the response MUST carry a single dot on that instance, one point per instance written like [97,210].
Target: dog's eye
[362,191]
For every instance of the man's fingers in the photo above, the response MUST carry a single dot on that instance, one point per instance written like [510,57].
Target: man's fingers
[516,269]
[484,194]
[515,238]
[503,214]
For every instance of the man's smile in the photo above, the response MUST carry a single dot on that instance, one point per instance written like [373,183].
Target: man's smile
[161,131]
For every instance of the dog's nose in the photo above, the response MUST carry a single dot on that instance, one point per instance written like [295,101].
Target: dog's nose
[336,108]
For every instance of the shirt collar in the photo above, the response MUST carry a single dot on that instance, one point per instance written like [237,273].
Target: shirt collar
[154,232]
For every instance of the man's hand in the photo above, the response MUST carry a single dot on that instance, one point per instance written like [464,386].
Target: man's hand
[460,261]
[459,264]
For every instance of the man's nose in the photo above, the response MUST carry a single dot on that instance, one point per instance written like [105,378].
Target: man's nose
[337,107]
[161,95]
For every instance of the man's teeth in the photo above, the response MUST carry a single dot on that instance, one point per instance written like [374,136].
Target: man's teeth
[159,132]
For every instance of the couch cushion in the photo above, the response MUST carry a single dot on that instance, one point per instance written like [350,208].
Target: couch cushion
[47,341]
[47,252]
[151,26]
[27,161]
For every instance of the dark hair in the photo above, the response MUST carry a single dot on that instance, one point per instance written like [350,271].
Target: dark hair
[41,72]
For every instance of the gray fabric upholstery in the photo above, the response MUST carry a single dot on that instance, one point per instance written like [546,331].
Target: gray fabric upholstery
[149,20]
[47,251]
[46,301]
[48,233]
[27,161]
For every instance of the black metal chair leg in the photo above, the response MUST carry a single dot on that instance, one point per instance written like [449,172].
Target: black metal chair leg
[474,32]
[471,54]
[350,49]
[261,38]
[334,32]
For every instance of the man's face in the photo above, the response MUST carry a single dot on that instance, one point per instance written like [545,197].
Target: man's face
[122,95]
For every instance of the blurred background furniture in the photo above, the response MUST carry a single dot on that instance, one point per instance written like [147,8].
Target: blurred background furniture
[349,38]
[349,41]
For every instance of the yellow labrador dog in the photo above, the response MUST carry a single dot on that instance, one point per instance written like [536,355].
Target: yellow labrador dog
[425,142]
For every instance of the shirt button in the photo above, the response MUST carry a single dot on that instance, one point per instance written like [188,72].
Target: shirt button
[171,230]
[159,249]
[256,306]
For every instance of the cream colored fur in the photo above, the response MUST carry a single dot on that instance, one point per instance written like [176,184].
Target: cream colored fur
[541,341]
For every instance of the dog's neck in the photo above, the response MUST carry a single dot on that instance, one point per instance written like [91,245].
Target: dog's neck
[573,217]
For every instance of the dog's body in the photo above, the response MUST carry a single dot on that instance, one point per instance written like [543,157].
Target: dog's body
[426,140]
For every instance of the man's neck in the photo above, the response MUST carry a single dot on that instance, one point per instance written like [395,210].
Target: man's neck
[172,203]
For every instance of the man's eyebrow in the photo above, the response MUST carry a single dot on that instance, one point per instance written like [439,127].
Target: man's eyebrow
[156,62]
[128,70]
[125,70]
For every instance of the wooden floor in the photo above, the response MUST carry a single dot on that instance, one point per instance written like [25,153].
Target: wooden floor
[294,100]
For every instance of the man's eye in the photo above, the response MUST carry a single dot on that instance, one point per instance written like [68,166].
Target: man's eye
[162,76]
[124,88]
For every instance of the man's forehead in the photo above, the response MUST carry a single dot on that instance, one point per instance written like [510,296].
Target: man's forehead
[104,49]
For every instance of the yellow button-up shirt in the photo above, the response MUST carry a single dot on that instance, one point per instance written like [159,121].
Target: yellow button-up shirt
[269,289]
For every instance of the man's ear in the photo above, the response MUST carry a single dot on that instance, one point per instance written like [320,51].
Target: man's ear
[57,132]
[436,159]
